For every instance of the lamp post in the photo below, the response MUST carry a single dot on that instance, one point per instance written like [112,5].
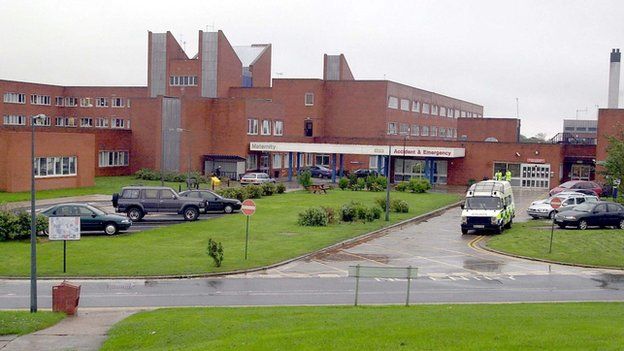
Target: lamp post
[33,217]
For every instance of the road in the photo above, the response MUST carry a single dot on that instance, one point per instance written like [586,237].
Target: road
[451,269]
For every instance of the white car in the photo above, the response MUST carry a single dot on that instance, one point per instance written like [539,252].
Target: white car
[542,208]
[256,179]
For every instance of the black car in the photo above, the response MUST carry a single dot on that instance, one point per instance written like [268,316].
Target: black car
[91,218]
[588,214]
[214,202]
[365,173]
[317,171]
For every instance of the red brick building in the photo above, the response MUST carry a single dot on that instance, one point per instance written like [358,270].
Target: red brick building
[221,108]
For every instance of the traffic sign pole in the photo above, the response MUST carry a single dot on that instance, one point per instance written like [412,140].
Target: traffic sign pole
[248,208]
[555,203]
[246,237]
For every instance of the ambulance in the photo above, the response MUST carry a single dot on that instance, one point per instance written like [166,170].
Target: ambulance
[489,205]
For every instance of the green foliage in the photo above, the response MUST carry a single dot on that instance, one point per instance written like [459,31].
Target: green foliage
[401,186]
[331,214]
[215,251]
[400,206]
[414,185]
[313,217]
[348,211]
[24,322]
[280,188]
[343,183]
[614,163]
[357,211]
[360,184]
[253,191]
[17,226]
[177,177]
[381,202]
[268,189]
[233,193]
[305,179]
[376,183]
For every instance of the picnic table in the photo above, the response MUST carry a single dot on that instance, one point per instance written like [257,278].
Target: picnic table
[318,188]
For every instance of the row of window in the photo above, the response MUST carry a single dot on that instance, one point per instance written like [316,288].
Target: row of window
[416,130]
[85,122]
[416,106]
[55,166]
[182,80]
[269,127]
[279,161]
[68,101]
[113,158]
[581,129]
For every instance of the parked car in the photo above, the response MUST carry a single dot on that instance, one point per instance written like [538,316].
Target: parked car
[578,185]
[91,217]
[137,201]
[601,214]
[213,202]
[365,172]
[256,179]
[317,171]
[542,208]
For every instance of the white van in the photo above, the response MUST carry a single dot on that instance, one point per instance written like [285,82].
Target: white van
[488,205]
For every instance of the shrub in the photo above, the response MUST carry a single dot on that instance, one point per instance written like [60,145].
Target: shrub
[268,189]
[253,192]
[373,213]
[376,183]
[215,250]
[348,211]
[381,202]
[305,179]
[17,226]
[280,188]
[401,186]
[352,180]
[313,217]
[360,184]
[400,206]
[147,174]
[343,183]
[233,193]
[331,214]
[419,185]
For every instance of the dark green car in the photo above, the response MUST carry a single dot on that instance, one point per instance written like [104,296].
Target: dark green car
[91,218]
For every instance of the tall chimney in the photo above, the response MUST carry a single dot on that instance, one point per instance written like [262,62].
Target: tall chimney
[614,78]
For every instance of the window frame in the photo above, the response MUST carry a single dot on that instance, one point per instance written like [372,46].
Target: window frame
[310,101]
[252,126]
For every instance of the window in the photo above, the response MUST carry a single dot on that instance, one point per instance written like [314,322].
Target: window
[392,128]
[434,110]
[120,123]
[308,128]
[117,102]
[425,108]
[277,161]
[415,106]
[404,128]
[266,127]
[58,101]
[322,160]
[71,101]
[443,132]
[86,122]
[455,133]
[14,120]
[41,122]
[151,193]
[183,80]
[449,113]
[131,193]
[405,105]
[55,166]
[86,102]
[113,158]
[433,131]
[456,113]
[167,194]
[39,99]
[463,114]
[251,162]
[442,111]
[15,98]
[101,102]
[309,99]
[393,102]
[425,131]
[415,131]
[278,128]
[101,122]
[469,114]
[252,126]
[65,122]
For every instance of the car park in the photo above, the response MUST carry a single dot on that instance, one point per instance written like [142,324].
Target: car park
[91,217]
[592,214]
[543,209]
[137,201]
[213,201]
[585,186]
[317,171]
[256,179]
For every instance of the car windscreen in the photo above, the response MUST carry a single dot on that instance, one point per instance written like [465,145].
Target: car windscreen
[97,210]
[483,203]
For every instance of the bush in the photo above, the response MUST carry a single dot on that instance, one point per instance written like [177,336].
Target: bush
[375,212]
[360,184]
[17,226]
[147,174]
[305,179]
[401,186]
[381,202]
[419,185]
[253,191]
[331,214]
[280,188]
[215,250]
[400,206]
[268,189]
[376,183]
[233,193]
[348,211]
[343,183]
[313,217]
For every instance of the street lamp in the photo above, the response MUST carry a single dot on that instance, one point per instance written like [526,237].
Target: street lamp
[33,216]
[188,171]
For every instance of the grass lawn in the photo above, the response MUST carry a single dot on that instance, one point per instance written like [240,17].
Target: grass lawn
[103,185]
[569,326]
[600,247]
[181,248]
[24,322]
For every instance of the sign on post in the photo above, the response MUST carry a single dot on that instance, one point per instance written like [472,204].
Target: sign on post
[358,272]
[555,203]
[248,208]
[64,228]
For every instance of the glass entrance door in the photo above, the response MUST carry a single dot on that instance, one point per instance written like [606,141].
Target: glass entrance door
[535,175]
[580,172]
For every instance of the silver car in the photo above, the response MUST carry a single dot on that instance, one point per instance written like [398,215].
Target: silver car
[542,208]
[256,179]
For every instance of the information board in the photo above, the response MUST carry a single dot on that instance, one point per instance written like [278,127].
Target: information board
[64,228]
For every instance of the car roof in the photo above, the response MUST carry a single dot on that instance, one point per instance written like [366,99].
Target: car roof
[146,187]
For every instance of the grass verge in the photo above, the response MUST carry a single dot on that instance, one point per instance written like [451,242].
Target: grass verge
[565,326]
[24,322]
[597,247]
[181,249]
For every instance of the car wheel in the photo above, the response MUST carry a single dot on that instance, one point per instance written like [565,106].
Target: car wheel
[110,229]
[561,226]
[498,230]
[191,213]
[508,225]
[464,231]
[621,226]
[551,215]
[582,225]
[135,214]
[228,209]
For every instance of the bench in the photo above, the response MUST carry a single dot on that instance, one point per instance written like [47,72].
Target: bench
[318,188]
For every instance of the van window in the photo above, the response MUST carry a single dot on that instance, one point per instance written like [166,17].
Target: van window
[151,193]
[130,194]
[483,203]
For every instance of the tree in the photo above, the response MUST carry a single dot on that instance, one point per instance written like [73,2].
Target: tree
[614,164]
[537,138]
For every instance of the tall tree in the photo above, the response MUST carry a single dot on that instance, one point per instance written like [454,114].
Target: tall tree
[614,164]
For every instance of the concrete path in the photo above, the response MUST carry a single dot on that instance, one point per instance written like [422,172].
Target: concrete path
[84,332]
[60,200]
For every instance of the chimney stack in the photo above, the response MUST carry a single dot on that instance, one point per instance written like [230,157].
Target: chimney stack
[614,78]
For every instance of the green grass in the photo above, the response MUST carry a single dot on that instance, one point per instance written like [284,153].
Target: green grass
[24,322]
[181,249]
[103,185]
[570,326]
[599,247]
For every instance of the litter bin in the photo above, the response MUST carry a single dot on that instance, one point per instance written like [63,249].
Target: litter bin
[65,298]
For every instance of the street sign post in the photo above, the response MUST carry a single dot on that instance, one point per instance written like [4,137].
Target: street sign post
[555,203]
[248,208]
[64,228]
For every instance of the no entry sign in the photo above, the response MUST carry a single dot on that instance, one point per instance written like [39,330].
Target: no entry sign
[555,203]
[249,207]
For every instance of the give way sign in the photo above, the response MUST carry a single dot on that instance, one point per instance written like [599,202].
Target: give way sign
[249,207]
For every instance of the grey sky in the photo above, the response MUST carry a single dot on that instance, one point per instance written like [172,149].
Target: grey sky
[552,55]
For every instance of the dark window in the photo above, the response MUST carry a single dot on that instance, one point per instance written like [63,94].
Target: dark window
[130,194]
[167,194]
[600,208]
[613,208]
[568,202]
[193,195]
[580,200]
[308,128]
[85,211]
[151,194]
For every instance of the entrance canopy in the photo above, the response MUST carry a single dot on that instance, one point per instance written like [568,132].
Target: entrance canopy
[353,149]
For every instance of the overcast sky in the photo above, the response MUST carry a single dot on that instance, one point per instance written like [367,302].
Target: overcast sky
[551,55]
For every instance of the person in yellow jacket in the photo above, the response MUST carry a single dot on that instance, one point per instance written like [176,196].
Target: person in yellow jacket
[498,175]
[508,176]
[215,181]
